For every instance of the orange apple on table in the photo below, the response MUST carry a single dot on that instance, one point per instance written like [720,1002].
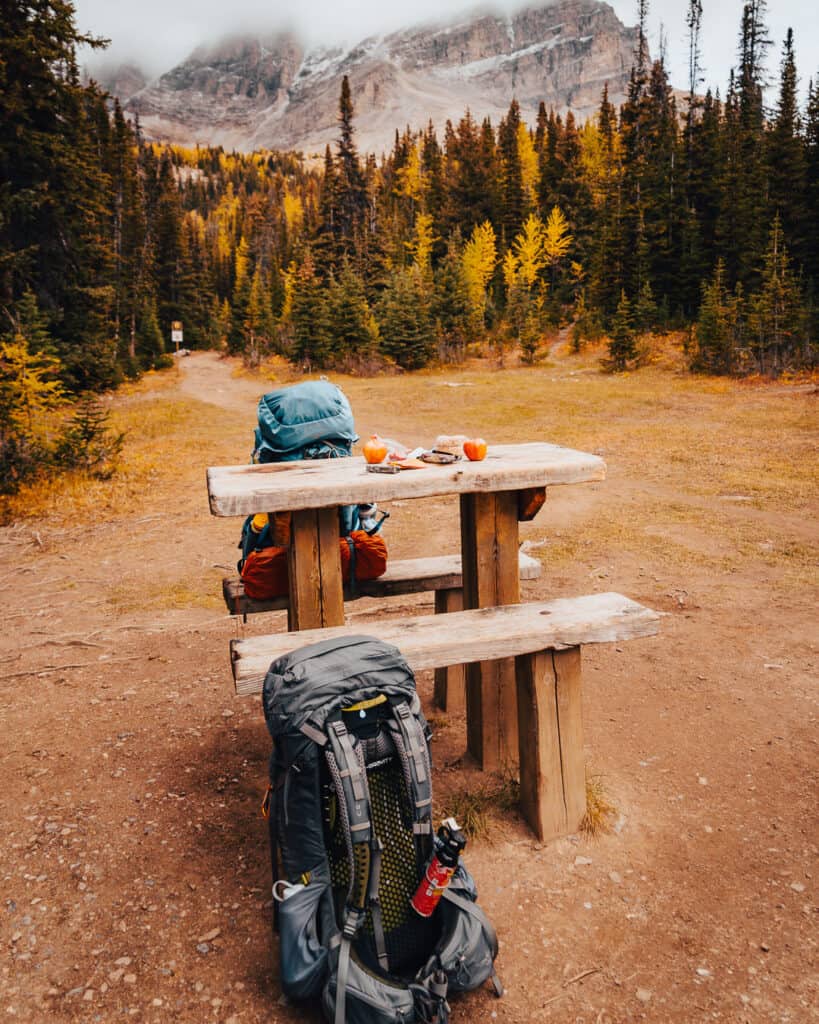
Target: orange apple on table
[475,449]
[374,450]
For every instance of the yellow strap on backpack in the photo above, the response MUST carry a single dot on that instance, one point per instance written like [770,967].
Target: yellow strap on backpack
[364,705]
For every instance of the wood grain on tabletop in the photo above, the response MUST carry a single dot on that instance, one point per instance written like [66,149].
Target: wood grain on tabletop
[320,483]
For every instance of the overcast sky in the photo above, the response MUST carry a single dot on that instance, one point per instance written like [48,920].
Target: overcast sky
[160,33]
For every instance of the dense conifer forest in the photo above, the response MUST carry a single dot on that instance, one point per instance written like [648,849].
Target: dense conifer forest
[699,214]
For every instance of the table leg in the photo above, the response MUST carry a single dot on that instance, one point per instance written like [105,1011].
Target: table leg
[449,691]
[314,564]
[491,576]
[552,769]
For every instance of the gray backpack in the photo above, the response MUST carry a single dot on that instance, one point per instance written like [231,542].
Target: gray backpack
[350,815]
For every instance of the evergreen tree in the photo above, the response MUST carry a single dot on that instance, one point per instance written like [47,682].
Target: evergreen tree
[786,158]
[777,320]
[469,176]
[258,319]
[511,174]
[242,281]
[606,256]
[645,309]
[32,324]
[88,442]
[719,332]
[350,189]
[623,343]
[45,231]
[450,300]
[405,324]
[326,240]
[811,233]
[312,342]
[149,344]
[744,214]
[352,328]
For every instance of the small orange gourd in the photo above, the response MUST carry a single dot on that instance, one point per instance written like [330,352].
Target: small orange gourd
[375,450]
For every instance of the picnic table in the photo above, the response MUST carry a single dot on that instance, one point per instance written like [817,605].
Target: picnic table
[508,486]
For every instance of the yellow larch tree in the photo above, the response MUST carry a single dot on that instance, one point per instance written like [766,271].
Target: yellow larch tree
[29,389]
[423,239]
[293,211]
[289,277]
[479,260]
[557,240]
[530,250]
[529,170]
[227,213]
[410,177]
[510,270]
[241,265]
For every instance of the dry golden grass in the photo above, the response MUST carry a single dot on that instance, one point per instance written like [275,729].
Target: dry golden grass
[164,438]
[200,590]
[479,809]
[600,811]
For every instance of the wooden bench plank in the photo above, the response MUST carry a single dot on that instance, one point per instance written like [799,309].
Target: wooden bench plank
[407,576]
[483,634]
[243,490]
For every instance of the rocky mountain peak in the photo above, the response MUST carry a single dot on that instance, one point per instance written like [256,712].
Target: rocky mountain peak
[251,92]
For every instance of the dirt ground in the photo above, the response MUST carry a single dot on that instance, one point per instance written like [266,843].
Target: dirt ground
[135,874]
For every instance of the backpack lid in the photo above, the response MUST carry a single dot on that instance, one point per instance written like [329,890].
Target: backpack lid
[293,417]
[320,679]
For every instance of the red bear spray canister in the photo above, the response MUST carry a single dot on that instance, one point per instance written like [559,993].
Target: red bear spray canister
[451,842]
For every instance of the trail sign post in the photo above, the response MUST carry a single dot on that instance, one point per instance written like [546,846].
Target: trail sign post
[176,334]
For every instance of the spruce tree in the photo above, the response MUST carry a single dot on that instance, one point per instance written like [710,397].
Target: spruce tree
[645,309]
[746,188]
[622,344]
[606,251]
[350,190]
[349,318]
[405,324]
[149,344]
[811,254]
[29,321]
[309,317]
[450,299]
[786,158]
[511,179]
[719,332]
[777,319]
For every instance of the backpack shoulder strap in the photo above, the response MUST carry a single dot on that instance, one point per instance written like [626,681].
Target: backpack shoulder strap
[413,750]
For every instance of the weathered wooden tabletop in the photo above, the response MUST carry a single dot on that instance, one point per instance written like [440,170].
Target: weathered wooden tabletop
[289,486]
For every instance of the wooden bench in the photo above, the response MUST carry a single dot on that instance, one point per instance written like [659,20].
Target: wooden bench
[440,574]
[410,576]
[545,641]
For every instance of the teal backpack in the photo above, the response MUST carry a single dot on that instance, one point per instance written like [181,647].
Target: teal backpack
[311,420]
